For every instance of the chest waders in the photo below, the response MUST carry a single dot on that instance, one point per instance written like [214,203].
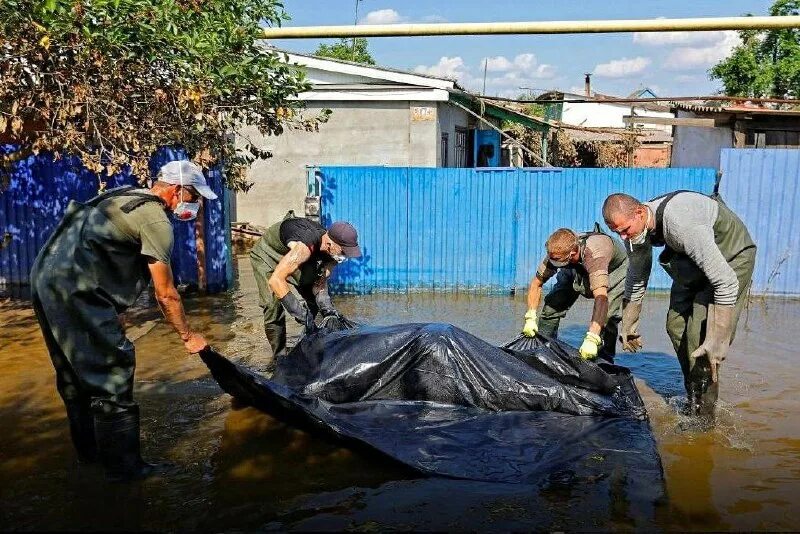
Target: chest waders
[264,257]
[691,293]
[89,272]
[573,281]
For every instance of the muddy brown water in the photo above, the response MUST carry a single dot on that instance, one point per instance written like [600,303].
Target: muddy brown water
[240,469]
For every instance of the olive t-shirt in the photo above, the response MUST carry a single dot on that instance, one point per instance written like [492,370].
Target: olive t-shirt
[149,224]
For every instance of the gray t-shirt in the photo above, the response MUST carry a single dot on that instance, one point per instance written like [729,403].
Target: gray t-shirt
[688,223]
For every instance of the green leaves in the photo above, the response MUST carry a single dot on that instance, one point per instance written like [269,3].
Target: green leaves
[145,73]
[348,50]
[767,63]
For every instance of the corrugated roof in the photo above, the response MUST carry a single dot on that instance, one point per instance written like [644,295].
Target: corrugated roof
[739,110]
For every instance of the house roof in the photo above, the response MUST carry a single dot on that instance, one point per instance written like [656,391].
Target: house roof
[742,109]
[368,71]
[613,135]
[601,98]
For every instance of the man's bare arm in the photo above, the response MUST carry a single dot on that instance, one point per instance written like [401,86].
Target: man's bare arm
[172,306]
[297,255]
[599,310]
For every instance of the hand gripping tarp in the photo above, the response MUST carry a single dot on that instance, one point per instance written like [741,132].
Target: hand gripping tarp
[447,403]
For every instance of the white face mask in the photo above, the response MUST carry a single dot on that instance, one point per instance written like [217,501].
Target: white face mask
[558,264]
[642,237]
[185,211]
[338,258]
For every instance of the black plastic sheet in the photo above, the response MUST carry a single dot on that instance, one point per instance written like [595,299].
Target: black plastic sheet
[447,403]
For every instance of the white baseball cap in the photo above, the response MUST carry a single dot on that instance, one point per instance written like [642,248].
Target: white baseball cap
[184,172]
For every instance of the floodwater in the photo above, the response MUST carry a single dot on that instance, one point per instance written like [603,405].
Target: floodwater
[240,469]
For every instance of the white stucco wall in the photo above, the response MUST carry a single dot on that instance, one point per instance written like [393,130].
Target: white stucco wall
[600,115]
[699,147]
[358,133]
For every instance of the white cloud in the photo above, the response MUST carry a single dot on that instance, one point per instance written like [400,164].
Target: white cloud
[390,16]
[383,16]
[688,58]
[678,38]
[620,68]
[505,76]
[447,67]
[525,61]
[498,64]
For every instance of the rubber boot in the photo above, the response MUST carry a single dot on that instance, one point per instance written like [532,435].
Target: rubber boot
[701,397]
[81,427]
[118,447]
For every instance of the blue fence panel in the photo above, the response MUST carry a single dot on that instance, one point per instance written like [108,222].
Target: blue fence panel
[474,229]
[39,189]
[761,187]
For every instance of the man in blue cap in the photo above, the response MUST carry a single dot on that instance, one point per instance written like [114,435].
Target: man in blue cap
[101,256]
[301,254]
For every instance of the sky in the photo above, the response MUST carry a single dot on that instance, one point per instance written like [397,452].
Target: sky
[670,64]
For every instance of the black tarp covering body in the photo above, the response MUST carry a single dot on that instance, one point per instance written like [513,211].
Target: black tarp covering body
[447,403]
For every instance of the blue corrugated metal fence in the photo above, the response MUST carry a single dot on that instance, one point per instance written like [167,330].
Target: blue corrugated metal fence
[473,229]
[39,189]
[761,186]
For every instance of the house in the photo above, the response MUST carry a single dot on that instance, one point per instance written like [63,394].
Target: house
[380,116]
[595,117]
[702,131]
[600,111]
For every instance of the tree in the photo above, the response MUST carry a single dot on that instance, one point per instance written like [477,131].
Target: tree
[766,63]
[113,80]
[348,50]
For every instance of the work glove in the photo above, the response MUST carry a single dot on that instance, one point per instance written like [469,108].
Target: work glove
[325,305]
[531,324]
[589,347]
[631,340]
[719,328]
[299,310]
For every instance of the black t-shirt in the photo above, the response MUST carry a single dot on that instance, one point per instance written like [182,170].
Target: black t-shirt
[304,231]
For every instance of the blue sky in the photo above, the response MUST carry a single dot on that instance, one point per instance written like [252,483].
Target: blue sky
[672,64]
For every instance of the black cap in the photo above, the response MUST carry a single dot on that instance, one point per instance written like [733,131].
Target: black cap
[345,235]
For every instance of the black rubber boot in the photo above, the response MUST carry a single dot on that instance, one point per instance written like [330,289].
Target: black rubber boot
[118,447]
[81,427]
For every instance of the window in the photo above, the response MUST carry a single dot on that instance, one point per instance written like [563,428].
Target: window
[445,149]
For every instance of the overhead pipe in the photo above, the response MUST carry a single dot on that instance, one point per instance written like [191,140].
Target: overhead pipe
[536,27]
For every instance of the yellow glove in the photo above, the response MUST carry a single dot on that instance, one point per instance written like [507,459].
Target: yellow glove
[531,324]
[591,343]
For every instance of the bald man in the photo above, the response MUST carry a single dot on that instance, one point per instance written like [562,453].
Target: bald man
[591,264]
[710,256]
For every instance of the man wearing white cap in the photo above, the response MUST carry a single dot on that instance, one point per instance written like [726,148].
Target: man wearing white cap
[101,256]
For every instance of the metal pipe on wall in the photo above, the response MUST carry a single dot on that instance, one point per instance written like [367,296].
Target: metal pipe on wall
[536,27]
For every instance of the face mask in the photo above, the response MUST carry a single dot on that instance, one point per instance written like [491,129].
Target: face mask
[642,237]
[558,264]
[338,258]
[186,211]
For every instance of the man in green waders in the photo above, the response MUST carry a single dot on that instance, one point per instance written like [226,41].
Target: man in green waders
[710,256]
[591,264]
[101,256]
[300,253]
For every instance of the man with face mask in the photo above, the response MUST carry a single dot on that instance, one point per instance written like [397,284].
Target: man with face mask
[591,264]
[101,256]
[301,254]
[710,257]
